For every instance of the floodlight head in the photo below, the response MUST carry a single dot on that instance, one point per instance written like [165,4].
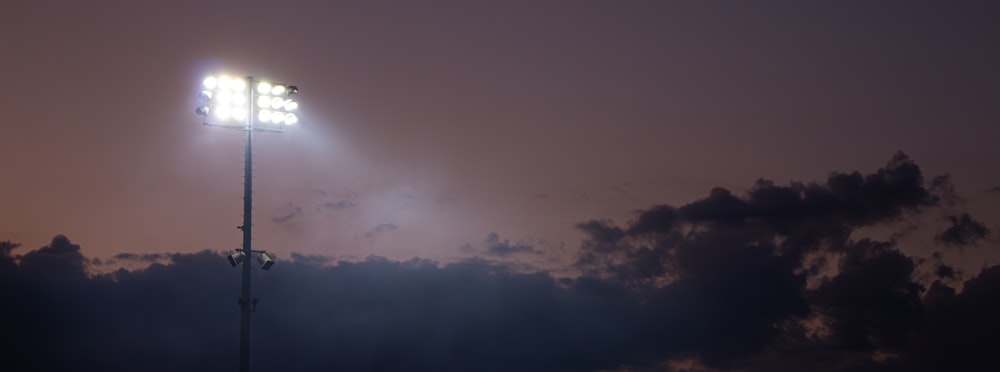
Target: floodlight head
[225,82]
[236,258]
[263,101]
[263,87]
[264,116]
[265,261]
[238,85]
[226,100]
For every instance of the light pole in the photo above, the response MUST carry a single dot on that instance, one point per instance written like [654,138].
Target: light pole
[249,105]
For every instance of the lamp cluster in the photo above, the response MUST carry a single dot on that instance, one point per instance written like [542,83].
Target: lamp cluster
[229,101]
[237,258]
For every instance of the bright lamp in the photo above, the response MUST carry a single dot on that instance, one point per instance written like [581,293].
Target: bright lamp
[230,103]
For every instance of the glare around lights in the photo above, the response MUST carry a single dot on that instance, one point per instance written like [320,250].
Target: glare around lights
[235,102]
[225,82]
[263,101]
[239,99]
[224,98]
[223,112]
[239,85]
[264,116]
[263,88]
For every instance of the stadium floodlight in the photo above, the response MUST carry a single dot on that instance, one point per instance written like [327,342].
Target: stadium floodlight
[236,258]
[265,261]
[251,106]
[227,102]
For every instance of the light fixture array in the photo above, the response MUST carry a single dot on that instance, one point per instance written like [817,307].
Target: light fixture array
[227,101]
[239,255]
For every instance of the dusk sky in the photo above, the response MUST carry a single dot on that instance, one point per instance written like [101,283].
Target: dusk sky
[558,185]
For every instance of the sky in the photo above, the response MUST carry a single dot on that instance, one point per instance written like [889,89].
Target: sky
[516,185]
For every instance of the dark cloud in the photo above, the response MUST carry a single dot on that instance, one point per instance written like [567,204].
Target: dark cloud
[661,218]
[6,247]
[312,259]
[497,247]
[61,260]
[771,280]
[963,230]
[371,315]
[603,238]
[945,272]
[872,304]
[756,252]
[142,257]
[958,331]
[944,189]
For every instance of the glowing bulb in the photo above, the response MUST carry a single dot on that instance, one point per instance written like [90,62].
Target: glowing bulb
[225,82]
[264,116]
[291,105]
[291,119]
[210,82]
[224,98]
[263,88]
[276,103]
[240,115]
[277,117]
[264,101]
[238,99]
[277,90]
[223,112]
[239,85]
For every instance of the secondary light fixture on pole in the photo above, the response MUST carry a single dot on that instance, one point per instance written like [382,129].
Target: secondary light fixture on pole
[249,105]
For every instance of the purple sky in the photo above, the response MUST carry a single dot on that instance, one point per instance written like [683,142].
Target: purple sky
[517,134]
[452,120]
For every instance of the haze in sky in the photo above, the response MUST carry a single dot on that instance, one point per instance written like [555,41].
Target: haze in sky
[516,185]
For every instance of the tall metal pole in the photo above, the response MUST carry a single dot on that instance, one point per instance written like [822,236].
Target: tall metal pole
[245,298]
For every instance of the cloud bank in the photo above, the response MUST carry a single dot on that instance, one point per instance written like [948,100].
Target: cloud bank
[773,280]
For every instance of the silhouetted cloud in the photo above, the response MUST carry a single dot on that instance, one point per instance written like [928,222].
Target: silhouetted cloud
[142,257]
[312,259]
[746,260]
[767,281]
[497,247]
[945,272]
[963,231]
